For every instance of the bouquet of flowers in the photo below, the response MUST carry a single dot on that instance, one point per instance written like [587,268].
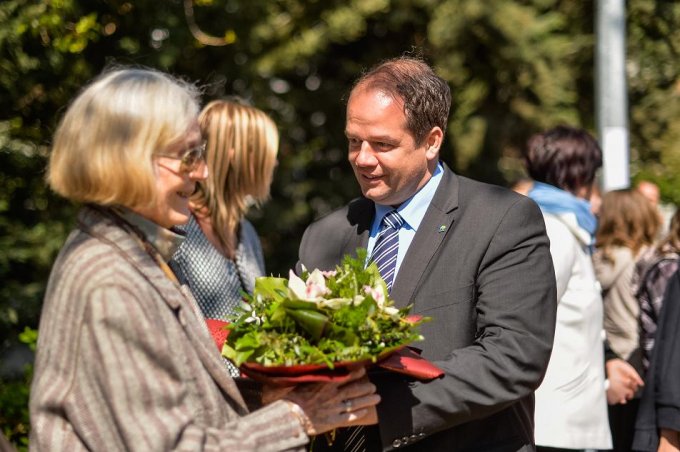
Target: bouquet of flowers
[321,318]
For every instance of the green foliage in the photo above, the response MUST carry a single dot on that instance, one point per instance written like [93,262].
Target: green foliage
[342,315]
[654,90]
[514,68]
[14,417]
[14,394]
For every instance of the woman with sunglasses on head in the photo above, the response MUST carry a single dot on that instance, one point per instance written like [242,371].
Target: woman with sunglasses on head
[222,255]
[124,362]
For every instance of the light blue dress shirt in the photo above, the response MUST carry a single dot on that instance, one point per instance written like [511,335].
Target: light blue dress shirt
[412,211]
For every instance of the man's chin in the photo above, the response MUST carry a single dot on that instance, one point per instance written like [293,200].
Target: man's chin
[378,198]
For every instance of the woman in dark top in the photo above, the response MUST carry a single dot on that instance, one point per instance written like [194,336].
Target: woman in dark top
[658,422]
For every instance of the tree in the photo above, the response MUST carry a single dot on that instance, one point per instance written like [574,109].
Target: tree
[654,93]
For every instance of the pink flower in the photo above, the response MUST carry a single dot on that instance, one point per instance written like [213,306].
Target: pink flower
[314,289]
[376,293]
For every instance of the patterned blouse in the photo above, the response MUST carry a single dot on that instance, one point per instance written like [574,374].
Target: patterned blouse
[216,281]
[653,271]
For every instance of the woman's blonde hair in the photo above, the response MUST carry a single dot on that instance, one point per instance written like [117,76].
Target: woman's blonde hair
[626,219]
[103,147]
[242,143]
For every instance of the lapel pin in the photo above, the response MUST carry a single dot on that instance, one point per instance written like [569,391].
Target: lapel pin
[442,228]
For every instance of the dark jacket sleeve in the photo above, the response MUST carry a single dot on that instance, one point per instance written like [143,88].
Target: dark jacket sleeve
[660,405]
[667,394]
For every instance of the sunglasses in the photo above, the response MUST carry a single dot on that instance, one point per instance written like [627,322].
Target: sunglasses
[190,159]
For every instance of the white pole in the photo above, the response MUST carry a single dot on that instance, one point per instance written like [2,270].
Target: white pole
[611,95]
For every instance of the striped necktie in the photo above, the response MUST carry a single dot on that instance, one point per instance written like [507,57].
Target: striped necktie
[387,246]
[385,257]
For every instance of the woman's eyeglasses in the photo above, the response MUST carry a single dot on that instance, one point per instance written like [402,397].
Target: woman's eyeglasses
[190,159]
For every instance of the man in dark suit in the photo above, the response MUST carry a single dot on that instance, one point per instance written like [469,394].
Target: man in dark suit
[472,256]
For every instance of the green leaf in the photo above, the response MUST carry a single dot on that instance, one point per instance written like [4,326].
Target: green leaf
[313,322]
[270,287]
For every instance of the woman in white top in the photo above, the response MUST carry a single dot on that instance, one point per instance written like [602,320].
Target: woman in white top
[571,404]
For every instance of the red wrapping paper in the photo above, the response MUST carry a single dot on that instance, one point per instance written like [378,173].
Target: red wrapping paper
[406,361]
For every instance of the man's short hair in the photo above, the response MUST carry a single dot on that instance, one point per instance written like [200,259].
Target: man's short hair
[103,147]
[426,97]
[565,157]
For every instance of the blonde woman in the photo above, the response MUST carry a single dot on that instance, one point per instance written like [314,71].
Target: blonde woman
[628,224]
[123,362]
[222,256]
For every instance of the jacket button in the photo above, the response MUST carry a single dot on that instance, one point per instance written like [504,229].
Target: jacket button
[414,438]
[405,440]
[396,443]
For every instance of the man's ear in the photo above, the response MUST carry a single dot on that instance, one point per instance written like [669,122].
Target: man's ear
[433,142]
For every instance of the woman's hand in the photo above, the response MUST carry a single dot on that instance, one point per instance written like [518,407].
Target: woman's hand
[624,381]
[332,405]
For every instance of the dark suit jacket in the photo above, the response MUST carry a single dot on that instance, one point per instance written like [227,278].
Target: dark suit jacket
[660,404]
[480,266]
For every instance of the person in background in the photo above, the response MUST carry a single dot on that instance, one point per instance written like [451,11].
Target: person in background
[221,255]
[650,191]
[652,273]
[626,230]
[472,256]
[123,361]
[665,211]
[571,406]
[657,428]
[595,200]
[522,185]
[627,227]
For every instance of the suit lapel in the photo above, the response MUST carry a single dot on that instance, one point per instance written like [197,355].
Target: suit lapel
[436,224]
[178,299]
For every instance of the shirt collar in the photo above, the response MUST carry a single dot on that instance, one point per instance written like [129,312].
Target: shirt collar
[413,209]
[165,241]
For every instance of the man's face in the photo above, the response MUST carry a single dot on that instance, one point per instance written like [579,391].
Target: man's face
[388,164]
[650,191]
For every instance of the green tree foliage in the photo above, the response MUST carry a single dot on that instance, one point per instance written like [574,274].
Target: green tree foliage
[654,93]
[514,66]
[14,418]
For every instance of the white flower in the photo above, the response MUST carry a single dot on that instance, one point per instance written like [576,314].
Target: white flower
[358,299]
[392,312]
[313,289]
[252,315]
[377,293]
[255,319]
[335,303]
